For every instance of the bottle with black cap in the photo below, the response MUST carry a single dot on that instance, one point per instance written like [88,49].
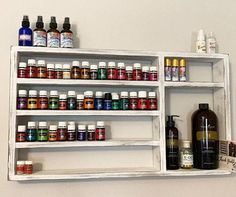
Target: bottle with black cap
[66,34]
[205,138]
[172,144]
[53,35]
[25,33]
[40,34]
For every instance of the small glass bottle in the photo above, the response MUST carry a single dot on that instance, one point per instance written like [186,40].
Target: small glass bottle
[121,71]
[32,102]
[102,71]
[175,70]
[66,71]
[52,134]
[51,71]
[182,70]
[75,70]
[31,69]
[43,100]
[22,99]
[98,102]
[91,133]
[80,102]
[31,132]
[20,167]
[61,131]
[168,70]
[25,33]
[53,100]
[82,135]
[71,134]
[62,102]
[124,101]
[40,34]
[42,132]
[53,35]
[137,72]
[21,133]
[94,72]
[58,71]
[111,71]
[21,73]
[152,101]
[88,100]
[85,70]
[28,167]
[153,75]
[142,100]
[115,101]
[186,155]
[41,69]
[66,35]
[71,100]
[133,101]
[100,133]
[129,73]
[145,73]
[107,102]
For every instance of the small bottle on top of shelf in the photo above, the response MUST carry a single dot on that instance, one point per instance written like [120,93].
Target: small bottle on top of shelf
[182,70]
[175,70]
[168,70]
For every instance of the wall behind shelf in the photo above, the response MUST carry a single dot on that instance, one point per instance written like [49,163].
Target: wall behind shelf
[165,25]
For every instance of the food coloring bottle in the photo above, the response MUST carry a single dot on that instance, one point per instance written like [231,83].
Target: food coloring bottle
[102,71]
[142,100]
[61,131]
[85,70]
[75,70]
[42,132]
[98,102]
[137,72]
[32,102]
[100,133]
[91,133]
[81,136]
[31,69]
[58,71]
[52,134]
[133,100]
[40,34]
[41,69]
[62,102]
[145,73]
[21,133]
[66,71]
[71,100]
[175,70]
[129,73]
[25,33]
[121,71]
[111,71]
[124,101]
[66,35]
[43,100]
[31,132]
[22,99]
[115,101]
[182,70]
[51,71]
[53,100]
[107,103]
[94,72]
[88,100]
[80,102]
[71,134]
[53,35]
[153,73]
[168,70]
[152,101]
[21,73]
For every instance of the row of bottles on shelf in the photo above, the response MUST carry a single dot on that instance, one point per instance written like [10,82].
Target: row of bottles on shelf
[205,142]
[24,167]
[62,131]
[140,100]
[102,71]
[39,37]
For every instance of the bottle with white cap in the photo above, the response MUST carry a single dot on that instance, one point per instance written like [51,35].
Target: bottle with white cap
[102,71]
[32,102]
[152,101]
[142,100]
[98,101]
[75,70]
[31,132]
[22,99]
[201,42]
[21,72]
[211,43]
[85,70]
[66,71]
[82,135]
[58,71]
[133,100]
[51,71]
[111,71]
[31,70]
[80,102]
[91,133]
[71,100]
[71,131]
[42,132]
[41,69]
[100,133]
[62,131]
[52,134]
[21,133]
[124,101]
[53,100]
[115,101]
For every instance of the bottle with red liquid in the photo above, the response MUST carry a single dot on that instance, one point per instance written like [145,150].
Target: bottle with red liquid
[152,101]
[133,101]
[41,69]
[111,71]
[121,71]
[153,75]
[100,131]
[51,71]
[58,71]
[31,69]
[43,100]
[142,100]
[129,73]
[21,70]
[137,72]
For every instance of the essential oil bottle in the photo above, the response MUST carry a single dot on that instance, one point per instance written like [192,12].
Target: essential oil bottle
[25,33]
[53,35]
[40,34]
[66,34]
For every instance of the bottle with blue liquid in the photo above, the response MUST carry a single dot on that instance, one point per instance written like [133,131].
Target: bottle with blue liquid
[25,33]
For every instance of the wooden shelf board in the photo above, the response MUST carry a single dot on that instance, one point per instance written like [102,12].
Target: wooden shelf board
[194,84]
[196,172]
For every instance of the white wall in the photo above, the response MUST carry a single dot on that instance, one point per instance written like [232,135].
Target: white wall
[166,25]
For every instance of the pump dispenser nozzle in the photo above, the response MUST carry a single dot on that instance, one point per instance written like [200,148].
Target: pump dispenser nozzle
[170,122]
[66,24]
[39,23]
[53,23]
[25,21]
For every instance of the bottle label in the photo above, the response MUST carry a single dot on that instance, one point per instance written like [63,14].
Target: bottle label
[211,45]
[25,37]
[201,46]
[186,159]
[182,73]
[40,38]
[66,40]
[168,73]
[209,135]
[175,73]
[53,39]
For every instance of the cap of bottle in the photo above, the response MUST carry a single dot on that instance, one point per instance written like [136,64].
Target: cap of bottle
[21,128]
[58,66]
[42,124]
[121,65]
[201,35]
[22,65]
[28,162]
[62,124]
[137,66]
[66,24]
[31,62]
[100,124]
[133,94]
[151,94]
[53,23]
[111,64]
[102,65]
[167,62]
[43,93]
[80,97]
[175,62]
[203,106]
[145,69]
[71,93]
[66,66]
[142,94]
[71,123]
[32,93]
[124,95]
[82,127]
[22,92]
[88,93]
[115,96]
[75,63]
[50,66]
[41,63]
[53,128]
[98,94]
[31,124]
[91,127]
[39,23]
[25,21]
[186,143]
[71,128]
[20,163]
[94,67]
[85,64]
[62,96]
[129,68]
[153,69]
[53,93]
[182,62]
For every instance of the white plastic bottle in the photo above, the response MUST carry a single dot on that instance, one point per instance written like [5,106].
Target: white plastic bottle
[211,43]
[201,42]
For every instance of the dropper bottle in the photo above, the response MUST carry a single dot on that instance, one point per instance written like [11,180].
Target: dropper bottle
[66,34]
[25,33]
[40,34]
[53,35]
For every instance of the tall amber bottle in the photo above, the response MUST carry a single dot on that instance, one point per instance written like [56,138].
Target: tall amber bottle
[205,138]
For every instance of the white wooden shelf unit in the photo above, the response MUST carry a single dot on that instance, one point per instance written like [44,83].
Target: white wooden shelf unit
[136,143]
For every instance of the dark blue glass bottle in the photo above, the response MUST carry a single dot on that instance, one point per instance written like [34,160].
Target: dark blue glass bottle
[25,33]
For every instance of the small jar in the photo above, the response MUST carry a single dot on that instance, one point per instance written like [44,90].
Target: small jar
[71,100]
[88,100]
[107,103]
[43,100]
[32,102]
[115,101]
[153,76]
[129,73]
[124,101]
[81,133]
[186,155]
[28,167]
[22,99]
[142,100]
[20,167]
[152,101]
[111,71]
[31,69]
[51,71]
[85,70]
[100,133]
[102,71]
[41,69]
[80,102]
[121,71]
[75,70]
[71,134]
[52,134]
[145,73]
[61,131]
[31,132]
[98,102]
[58,71]
[62,102]
[21,133]
[94,72]
[133,101]
[42,132]
[21,72]
[91,133]
[137,72]
[66,71]
[168,69]
[53,100]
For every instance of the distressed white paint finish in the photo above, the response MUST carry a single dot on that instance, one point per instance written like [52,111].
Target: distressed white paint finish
[194,84]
